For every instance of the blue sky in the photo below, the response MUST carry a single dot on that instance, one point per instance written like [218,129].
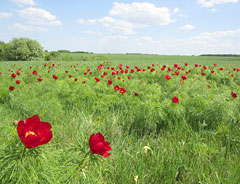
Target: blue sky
[122,26]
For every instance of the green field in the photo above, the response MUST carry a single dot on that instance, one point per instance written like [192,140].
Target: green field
[196,140]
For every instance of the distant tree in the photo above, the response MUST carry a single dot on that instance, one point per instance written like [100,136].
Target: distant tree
[23,49]
[64,51]
[53,55]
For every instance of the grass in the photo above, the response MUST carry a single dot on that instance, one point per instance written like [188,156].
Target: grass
[194,141]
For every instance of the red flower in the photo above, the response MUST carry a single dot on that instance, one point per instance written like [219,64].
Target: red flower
[175,99]
[212,71]
[184,77]
[110,82]
[220,68]
[83,82]
[196,65]
[186,64]
[13,75]
[34,132]
[135,94]
[98,145]
[208,86]
[11,88]
[97,79]
[75,79]
[39,79]
[116,87]
[203,74]
[122,90]
[175,65]
[129,77]
[167,77]
[55,77]
[35,72]
[17,81]
[234,95]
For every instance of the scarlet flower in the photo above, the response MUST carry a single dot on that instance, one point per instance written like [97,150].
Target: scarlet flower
[17,81]
[110,82]
[175,99]
[70,76]
[90,73]
[135,94]
[55,77]
[35,72]
[129,77]
[184,77]
[175,65]
[186,64]
[11,88]
[39,79]
[97,79]
[34,132]
[208,86]
[196,65]
[13,75]
[203,74]
[122,90]
[83,82]
[116,87]
[75,79]
[167,77]
[212,71]
[234,95]
[220,68]
[152,70]
[98,145]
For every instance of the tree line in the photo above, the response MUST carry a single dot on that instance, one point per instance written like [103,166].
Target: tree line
[25,49]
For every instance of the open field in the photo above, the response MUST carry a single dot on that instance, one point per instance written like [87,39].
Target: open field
[154,139]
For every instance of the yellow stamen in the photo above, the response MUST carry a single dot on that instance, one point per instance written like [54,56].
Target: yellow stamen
[30,133]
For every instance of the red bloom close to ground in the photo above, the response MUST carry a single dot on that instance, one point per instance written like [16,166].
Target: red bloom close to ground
[98,145]
[175,99]
[13,75]
[116,87]
[34,132]
[97,79]
[55,77]
[135,94]
[122,90]
[110,82]
[40,79]
[184,77]
[17,81]
[234,95]
[167,77]
[11,88]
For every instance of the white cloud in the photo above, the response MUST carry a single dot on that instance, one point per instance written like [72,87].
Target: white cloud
[211,3]
[114,25]
[5,15]
[213,10]
[20,3]
[142,13]
[23,28]
[87,22]
[117,37]
[89,32]
[187,27]
[176,10]
[145,38]
[38,16]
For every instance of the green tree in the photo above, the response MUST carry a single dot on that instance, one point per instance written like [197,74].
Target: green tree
[23,49]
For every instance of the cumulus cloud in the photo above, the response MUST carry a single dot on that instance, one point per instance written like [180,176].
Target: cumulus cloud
[5,15]
[187,27]
[23,28]
[142,13]
[89,32]
[20,3]
[38,16]
[211,3]
[114,25]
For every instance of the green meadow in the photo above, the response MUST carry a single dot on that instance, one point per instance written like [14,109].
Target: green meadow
[153,139]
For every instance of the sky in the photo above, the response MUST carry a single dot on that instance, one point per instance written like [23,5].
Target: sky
[166,27]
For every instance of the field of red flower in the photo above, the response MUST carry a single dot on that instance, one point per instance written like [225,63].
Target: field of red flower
[175,123]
